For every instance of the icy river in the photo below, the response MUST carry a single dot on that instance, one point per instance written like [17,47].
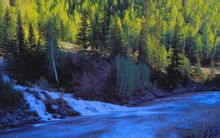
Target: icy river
[174,117]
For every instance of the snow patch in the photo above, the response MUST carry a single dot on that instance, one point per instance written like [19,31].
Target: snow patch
[91,107]
[38,106]
[54,95]
[20,88]
[5,78]
[84,107]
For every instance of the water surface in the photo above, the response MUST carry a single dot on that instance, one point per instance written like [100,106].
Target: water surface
[165,118]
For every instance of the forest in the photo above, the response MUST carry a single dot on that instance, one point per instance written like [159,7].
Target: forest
[138,39]
[155,62]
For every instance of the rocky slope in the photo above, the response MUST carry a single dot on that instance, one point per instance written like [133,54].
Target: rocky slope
[38,105]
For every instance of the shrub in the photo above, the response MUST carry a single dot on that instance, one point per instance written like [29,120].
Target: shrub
[83,74]
[72,66]
[28,66]
[129,76]
[200,74]
[89,85]
[212,73]
[185,65]
[43,83]
[143,76]
[200,131]
[92,81]
[8,97]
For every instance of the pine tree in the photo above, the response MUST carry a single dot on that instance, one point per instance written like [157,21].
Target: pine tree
[1,27]
[1,39]
[176,45]
[31,38]
[115,41]
[62,30]
[6,34]
[142,56]
[20,36]
[105,23]
[83,35]
[96,32]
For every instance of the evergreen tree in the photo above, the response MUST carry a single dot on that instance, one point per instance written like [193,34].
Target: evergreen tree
[6,33]
[142,56]
[1,39]
[20,36]
[83,35]
[62,30]
[1,27]
[187,28]
[96,32]
[176,45]
[115,41]
[31,38]
[105,23]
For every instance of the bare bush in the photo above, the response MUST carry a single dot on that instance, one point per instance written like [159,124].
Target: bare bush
[200,131]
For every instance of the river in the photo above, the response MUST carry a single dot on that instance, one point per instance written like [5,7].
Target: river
[164,118]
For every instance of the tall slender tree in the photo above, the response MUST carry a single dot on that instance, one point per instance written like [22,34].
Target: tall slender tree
[96,32]
[6,33]
[83,35]
[62,30]
[31,38]
[20,35]
[142,56]
[115,40]
[51,38]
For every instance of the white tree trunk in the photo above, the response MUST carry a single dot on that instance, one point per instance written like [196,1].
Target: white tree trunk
[53,61]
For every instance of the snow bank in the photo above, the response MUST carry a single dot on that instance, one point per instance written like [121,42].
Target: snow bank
[38,106]
[35,97]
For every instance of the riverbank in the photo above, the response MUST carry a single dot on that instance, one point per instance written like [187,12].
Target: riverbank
[43,102]
[158,94]
[38,105]
[180,116]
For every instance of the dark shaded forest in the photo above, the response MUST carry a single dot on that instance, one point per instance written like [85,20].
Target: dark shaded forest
[120,46]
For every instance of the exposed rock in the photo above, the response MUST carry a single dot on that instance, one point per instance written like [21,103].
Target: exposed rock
[59,108]
[17,116]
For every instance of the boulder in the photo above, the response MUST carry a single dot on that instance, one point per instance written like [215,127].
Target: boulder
[59,107]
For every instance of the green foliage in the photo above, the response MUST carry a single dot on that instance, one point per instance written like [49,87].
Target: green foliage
[83,35]
[31,38]
[153,32]
[212,74]
[142,56]
[199,72]
[185,65]
[129,76]
[6,33]
[20,36]
[132,26]
[197,26]
[114,39]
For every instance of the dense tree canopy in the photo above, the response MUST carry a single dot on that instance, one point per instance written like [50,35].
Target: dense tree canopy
[158,30]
